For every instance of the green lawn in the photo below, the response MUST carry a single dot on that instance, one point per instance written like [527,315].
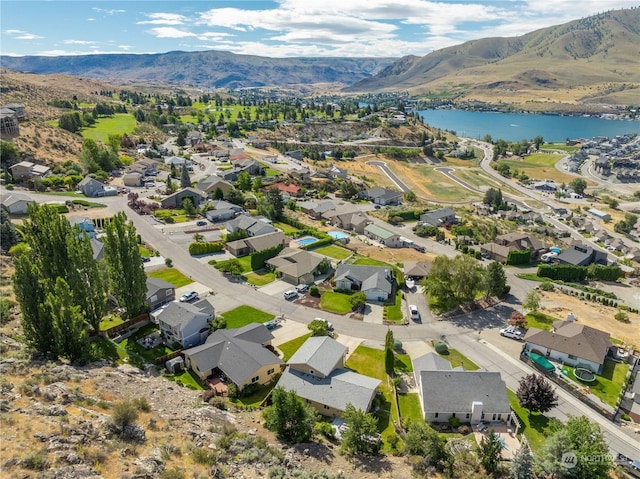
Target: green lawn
[287,229]
[410,406]
[261,277]
[144,251]
[290,347]
[171,275]
[536,427]
[559,146]
[255,399]
[243,315]
[402,363]
[540,320]
[109,322]
[456,358]
[245,262]
[269,172]
[335,302]
[187,379]
[117,124]
[333,251]
[361,260]
[607,386]
[393,312]
[370,362]
[137,355]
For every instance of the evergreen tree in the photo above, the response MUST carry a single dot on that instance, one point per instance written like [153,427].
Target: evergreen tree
[272,205]
[489,451]
[185,181]
[67,323]
[422,440]
[289,418]
[495,279]
[218,194]
[86,280]
[8,234]
[127,278]
[389,358]
[522,464]
[362,433]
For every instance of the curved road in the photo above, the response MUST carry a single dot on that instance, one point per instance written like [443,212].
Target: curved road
[448,172]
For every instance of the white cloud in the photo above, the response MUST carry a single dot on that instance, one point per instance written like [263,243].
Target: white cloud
[14,32]
[22,35]
[108,11]
[170,32]
[163,19]
[125,47]
[79,42]
[91,19]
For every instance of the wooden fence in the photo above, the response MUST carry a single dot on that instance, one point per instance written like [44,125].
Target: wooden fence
[112,332]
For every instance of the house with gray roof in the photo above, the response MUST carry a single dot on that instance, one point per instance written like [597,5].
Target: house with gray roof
[417,269]
[243,247]
[438,217]
[375,282]
[382,196]
[470,396]
[351,221]
[241,354]
[25,170]
[175,200]
[296,265]
[316,373]
[253,225]
[571,343]
[159,292]
[580,254]
[97,247]
[94,189]
[16,203]
[222,211]
[383,236]
[213,182]
[184,323]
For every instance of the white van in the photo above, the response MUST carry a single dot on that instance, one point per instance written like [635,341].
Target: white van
[413,310]
[292,293]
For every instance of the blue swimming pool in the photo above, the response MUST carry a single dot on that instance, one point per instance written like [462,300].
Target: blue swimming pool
[306,241]
[338,235]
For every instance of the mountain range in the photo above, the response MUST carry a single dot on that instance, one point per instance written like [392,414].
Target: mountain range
[591,60]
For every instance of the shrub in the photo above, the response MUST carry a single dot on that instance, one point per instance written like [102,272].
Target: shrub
[198,248]
[36,461]
[454,422]
[168,262]
[314,291]
[441,347]
[325,429]
[124,413]
[546,286]
[203,456]
[517,319]
[622,317]
[174,473]
[626,417]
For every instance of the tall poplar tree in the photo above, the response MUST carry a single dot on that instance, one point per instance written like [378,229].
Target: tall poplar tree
[68,326]
[127,278]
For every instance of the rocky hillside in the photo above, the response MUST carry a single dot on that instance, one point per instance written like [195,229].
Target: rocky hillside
[59,421]
[591,59]
[208,69]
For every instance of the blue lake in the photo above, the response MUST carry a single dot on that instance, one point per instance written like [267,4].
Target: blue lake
[517,126]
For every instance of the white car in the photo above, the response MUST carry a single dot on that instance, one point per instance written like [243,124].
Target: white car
[413,310]
[512,333]
[188,297]
[292,293]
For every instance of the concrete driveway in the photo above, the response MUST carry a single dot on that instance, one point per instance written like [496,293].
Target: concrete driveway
[276,288]
[373,313]
[417,348]
[287,331]
[351,342]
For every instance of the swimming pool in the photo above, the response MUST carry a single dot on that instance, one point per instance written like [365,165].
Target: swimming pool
[338,235]
[306,241]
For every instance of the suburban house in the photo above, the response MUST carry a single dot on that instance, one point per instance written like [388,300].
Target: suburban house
[316,209]
[295,154]
[248,165]
[222,211]
[243,247]
[316,373]
[242,355]
[253,225]
[184,323]
[417,269]
[383,236]
[374,281]
[25,170]
[290,189]
[503,244]
[85,224]
[470,396]
[159,293]
[382,196]
[177,161]
[296,265]
[133,178]
[97,247]
[545,186]
[570,343]
[210,184]
[94,189]
[354,221]
[439,217]
[144,166]
[580,254]
[175,200]
[16,203]
[601,215]
[335,172]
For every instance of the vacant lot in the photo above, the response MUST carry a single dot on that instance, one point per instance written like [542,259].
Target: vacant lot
[541,166]
[119,123]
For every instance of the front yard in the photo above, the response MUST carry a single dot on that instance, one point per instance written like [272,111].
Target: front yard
[540,320]
[171,275]
[335,302]
[260,277]
[290,347]
[243,315]
[393,311]
[456,358]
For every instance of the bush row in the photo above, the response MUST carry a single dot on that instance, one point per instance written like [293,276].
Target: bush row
[519,257]
[259,257]
[198,247]
[567,272]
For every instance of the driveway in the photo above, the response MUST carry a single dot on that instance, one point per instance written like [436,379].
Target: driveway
[287,331]
[276,288]
[417,348]
[373,313]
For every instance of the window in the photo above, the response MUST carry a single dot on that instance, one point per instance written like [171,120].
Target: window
[435,415]
[255,380]
[325,406]
[571,356]
[482,417]
[499,417]
[270,371]
[494,417]
[453,414]
[467,416]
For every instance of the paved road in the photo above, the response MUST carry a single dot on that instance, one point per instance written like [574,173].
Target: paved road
[383,166]
[448,172]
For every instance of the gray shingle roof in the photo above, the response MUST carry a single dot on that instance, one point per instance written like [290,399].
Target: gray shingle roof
[431,362]
[572,338]
[155,284]
[340,388]
[320,353]
[455,391]
[237,352]
[177,314]
[369,277]
[295,262]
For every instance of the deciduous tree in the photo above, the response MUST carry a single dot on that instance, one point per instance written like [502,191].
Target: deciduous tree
[67,323]
[361,436]
[532,301]
[536,394]
[289,418]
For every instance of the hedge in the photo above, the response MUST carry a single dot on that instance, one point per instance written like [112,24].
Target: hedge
[570,273]
[519,257]
[259,257]
[198,247]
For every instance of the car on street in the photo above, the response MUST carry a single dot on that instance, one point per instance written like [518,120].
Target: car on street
[413,311]
[201,223]
[188,297]
[511,332]
[419,248]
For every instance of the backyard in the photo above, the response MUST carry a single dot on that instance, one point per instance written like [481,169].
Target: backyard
[171,275]
[287,229]
[536,427]
[130,351]
[410,407]
[333,251]
[243,315]
[607,385]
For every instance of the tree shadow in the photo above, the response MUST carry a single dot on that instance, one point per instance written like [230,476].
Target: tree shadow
[492,317]
[377,464]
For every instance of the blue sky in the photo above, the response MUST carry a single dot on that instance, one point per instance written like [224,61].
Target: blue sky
[283,28]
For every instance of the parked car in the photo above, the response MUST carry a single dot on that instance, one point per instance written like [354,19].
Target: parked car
[413,310]
[511,332]
[422,249]
[201,223]
[188,297]
[302,288]
[290,294]
[146,259]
